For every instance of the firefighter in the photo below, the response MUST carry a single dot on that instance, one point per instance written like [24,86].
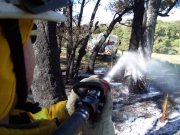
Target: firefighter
[16,73]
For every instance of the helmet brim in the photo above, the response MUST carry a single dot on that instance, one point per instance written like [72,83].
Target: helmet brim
[9,11]
[43,7]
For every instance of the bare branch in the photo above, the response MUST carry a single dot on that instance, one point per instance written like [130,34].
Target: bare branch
[126,10]
[81,13]
[87,2]
[168,10]
[93,14]
[163,14]
[125,24]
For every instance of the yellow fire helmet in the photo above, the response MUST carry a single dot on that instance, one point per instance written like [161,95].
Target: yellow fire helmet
[7,75]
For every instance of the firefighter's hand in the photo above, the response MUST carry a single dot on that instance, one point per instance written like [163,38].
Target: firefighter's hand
[104,125]
[72,99]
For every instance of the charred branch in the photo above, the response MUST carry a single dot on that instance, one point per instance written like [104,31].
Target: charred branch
[125,24]
[168,10]
[116,19]
[84,42]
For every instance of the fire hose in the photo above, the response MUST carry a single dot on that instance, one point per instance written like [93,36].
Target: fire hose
[92,99]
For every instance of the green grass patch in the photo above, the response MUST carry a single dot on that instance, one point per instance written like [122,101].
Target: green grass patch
[173,59]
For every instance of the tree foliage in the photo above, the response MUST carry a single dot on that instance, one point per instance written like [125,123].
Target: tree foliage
[166,38]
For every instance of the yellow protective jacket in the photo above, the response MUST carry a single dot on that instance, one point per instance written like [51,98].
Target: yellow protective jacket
[43,122]
[7,75]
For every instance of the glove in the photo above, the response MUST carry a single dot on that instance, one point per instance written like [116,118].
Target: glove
[104,126]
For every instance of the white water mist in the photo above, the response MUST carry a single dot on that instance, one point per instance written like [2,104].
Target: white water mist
[134,64]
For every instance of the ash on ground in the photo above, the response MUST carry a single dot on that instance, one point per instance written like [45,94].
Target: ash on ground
[140,114]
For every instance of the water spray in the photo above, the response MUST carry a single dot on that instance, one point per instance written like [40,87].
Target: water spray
[131,65]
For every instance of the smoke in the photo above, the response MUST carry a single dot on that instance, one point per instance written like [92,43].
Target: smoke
[164,75]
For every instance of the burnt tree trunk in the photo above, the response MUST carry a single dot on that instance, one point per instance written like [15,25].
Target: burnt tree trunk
[82,52]
[55,68]
[137,31]
[96,49]
[141,43]
[70,50]
[136,82]
[48,86]
[150,19]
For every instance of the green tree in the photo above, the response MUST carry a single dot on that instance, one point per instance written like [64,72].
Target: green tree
[123,32]
[167,38]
